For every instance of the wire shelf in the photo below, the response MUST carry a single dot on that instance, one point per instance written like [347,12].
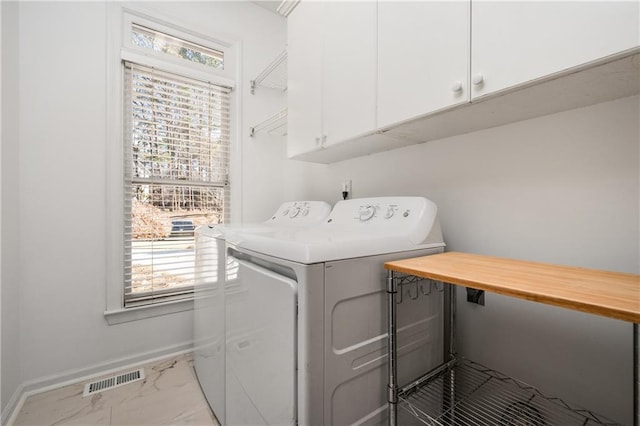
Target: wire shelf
[471,394]
[274,76]
[274,125]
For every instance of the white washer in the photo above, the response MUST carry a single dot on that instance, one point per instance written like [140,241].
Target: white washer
[306,337]
[214,273]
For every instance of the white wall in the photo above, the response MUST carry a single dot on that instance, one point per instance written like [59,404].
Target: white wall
[59,244]
[562,189]
[268,179]
[10,357]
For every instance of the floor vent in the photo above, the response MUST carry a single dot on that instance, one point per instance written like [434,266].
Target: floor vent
[113,382]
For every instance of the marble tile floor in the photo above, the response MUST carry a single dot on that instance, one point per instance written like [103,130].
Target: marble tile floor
[169,395]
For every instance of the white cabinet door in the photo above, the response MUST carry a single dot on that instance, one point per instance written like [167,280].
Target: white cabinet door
[331,73]
[516,42]
[304,83]
[423,58]
[349,81]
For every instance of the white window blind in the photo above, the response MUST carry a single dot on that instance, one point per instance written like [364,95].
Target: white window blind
[177,133]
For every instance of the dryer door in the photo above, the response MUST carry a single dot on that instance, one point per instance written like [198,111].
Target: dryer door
[261,348]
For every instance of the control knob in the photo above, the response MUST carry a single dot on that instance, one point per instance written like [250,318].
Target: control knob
[294,212]
[389,213]
[366,213]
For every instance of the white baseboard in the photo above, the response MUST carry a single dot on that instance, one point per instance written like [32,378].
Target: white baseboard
[13,406]
[70,377]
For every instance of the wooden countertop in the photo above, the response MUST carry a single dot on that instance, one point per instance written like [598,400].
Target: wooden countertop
[611,294]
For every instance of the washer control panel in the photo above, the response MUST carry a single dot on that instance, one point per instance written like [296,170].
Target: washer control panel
[301,212]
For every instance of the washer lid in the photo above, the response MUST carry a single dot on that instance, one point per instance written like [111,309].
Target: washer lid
[355,228]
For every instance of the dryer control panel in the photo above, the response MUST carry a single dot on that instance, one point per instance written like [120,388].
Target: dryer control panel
[409,216]
[405,210]
[368,212]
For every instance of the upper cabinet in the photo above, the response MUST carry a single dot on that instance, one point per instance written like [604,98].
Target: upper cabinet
[332,73]
[517,42]
[369,76]
[423,58]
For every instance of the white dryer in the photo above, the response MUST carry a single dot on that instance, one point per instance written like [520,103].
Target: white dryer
[215,278]
[306,341]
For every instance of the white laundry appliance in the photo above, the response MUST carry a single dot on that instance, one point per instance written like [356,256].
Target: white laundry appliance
[306,336]
[213,270]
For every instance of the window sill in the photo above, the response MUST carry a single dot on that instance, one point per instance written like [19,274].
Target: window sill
[119,316]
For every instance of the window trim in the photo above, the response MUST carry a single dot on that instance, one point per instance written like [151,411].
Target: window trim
[115,312]
[119,316]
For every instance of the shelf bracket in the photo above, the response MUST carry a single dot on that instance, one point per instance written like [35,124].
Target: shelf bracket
[274,76]
[271,124]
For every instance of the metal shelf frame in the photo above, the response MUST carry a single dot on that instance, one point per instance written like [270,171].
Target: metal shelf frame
[274,76]
[277,124]
[463,392]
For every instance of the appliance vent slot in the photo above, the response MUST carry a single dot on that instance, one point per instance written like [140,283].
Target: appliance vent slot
[113,382]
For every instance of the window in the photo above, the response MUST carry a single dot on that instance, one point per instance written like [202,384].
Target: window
[161,42]
[176,166]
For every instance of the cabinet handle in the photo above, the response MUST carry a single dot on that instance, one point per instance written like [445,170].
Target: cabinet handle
[477,79]
[317,140]
[456,86]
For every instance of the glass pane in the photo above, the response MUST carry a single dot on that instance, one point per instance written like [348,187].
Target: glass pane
[161,42]
[180,130]
[163,220]
[176,169]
